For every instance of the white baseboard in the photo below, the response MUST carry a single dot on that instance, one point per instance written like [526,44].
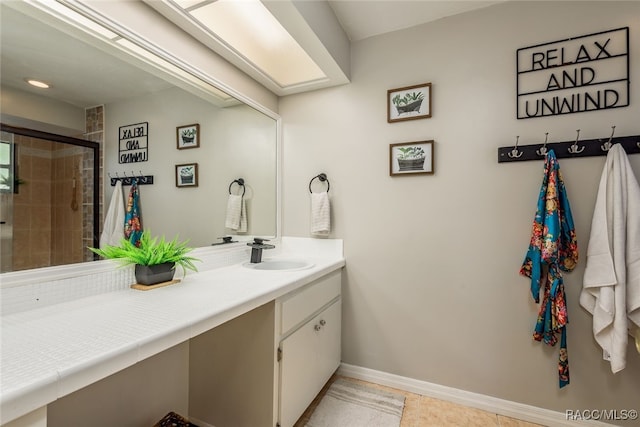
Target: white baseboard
[199,422]
[491,404]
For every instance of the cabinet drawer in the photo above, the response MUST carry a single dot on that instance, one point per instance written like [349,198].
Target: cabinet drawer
[307,301]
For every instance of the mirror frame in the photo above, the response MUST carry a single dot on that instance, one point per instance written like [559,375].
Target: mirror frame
[77,142]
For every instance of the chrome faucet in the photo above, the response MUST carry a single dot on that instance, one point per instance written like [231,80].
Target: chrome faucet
[256,249]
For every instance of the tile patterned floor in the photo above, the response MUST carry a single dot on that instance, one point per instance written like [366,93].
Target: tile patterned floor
[423,411]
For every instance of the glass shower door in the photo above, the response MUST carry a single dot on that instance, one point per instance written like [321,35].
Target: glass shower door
[7,187]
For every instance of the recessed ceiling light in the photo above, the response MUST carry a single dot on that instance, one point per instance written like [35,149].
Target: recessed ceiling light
[37,83]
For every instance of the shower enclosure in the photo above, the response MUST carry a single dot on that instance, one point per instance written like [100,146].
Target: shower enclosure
[49,199]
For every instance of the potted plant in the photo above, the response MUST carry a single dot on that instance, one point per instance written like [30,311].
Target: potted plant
[155,259]
[411,158]
[409,102]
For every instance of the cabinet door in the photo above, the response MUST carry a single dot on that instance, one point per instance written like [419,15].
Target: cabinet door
[328,353]
[297,372]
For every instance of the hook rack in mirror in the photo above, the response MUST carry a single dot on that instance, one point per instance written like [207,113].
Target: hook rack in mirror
[128,180]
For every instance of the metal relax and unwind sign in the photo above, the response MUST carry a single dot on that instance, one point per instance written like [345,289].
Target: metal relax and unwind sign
[584,73]
[133,143]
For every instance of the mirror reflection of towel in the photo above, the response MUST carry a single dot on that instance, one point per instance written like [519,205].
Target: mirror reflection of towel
[236,218]
[113,230]
[133,219]
[320,213]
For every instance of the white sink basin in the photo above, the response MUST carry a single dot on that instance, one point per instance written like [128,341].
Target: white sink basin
[280,265]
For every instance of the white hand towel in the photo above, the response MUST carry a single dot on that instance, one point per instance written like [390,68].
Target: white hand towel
[320,213]
[113,230]
[234,207]
[242,228]
[236,213]
[611,284]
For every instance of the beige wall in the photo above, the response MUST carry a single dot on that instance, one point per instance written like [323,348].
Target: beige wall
[24,109]
[431,288]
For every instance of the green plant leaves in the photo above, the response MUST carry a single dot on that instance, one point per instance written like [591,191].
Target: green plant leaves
[408,153]
[151,251]
[408,98]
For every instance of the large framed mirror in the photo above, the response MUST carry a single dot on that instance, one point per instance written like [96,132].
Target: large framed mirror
[96,91]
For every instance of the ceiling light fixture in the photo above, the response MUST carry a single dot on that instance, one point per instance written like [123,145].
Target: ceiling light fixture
[38,83]
[253,32]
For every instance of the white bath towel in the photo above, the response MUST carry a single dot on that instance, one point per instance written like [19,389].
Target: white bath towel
[611,284]
[236,218]
[320,213]
[113,230]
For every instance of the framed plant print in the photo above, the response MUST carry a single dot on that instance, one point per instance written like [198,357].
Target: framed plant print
[187,175]
[409,103]
[409,158]
[188,136]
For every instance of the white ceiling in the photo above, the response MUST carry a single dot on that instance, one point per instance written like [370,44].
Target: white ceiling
[361,19]
[79,74]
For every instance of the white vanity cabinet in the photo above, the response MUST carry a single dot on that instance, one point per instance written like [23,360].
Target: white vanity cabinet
[309,345]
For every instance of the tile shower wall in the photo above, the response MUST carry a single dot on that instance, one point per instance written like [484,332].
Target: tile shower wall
[66,205]
[47,230]
[32,205]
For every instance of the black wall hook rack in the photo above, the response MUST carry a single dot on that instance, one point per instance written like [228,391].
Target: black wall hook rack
[240,182]
[128,180]
[568,149]
[323,178]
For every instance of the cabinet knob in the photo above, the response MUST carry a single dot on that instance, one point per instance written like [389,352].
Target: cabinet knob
[322,322]
[317,327]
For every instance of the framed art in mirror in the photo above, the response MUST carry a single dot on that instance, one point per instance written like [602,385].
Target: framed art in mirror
[409,103]
[409,158]
[188,136]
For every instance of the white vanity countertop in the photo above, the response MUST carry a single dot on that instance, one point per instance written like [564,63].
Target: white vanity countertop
[55,350]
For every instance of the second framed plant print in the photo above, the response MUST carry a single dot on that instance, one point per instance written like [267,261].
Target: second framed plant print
[408,158]
[409,103]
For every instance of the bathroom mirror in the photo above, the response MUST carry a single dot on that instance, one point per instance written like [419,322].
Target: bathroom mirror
[235,140]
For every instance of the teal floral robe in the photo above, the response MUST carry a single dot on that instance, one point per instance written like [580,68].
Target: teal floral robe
[553,249]
[132,218]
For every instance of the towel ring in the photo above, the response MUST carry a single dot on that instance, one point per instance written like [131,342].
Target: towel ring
[322,177]
[240,182]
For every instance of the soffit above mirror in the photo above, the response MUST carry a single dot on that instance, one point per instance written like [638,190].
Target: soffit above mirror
[287,46]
